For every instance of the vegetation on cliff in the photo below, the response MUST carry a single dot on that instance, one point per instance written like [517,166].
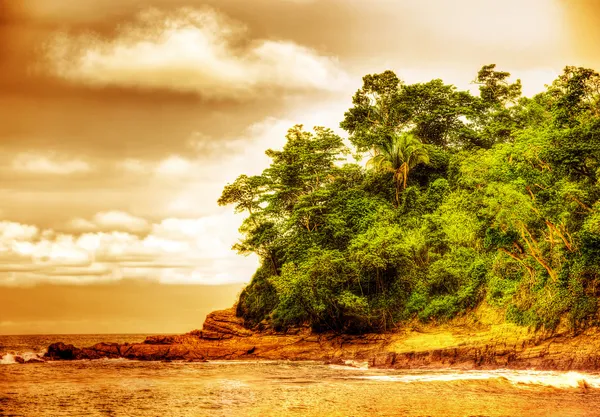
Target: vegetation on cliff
[464,199]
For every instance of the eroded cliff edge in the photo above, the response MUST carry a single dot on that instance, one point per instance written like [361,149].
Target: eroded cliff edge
[224,337]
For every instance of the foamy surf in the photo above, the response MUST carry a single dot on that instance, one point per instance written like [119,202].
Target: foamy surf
[12,358]
[523,378]
[351,365]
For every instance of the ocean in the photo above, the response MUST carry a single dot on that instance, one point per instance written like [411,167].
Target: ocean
[130,388]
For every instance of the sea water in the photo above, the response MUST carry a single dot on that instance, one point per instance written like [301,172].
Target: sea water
[262,388]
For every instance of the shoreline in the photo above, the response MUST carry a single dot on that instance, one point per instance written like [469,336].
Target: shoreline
[224,337]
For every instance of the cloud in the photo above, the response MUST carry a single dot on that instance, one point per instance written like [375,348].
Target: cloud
[190,185]
[113,220]
[532,22]
[174,251]
[49,163]
[191,50]
[174,166]
[171,167]
[118,220]
[17,232]
[133,166]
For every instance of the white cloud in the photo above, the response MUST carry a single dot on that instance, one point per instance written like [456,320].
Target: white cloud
[17,232]
[113,220]
[532,22]
[174,251]
[171,167]
[191,186]
[174,166]
[49,164]
[118,220]
[82,225]
[188,246]
[134,166]
[192,50]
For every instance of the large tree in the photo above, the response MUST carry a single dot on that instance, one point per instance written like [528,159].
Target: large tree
[376,113]
[384,106]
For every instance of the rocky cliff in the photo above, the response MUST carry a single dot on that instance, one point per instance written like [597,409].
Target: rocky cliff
[224,337]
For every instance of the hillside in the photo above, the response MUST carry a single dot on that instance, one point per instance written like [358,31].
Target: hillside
[464,200]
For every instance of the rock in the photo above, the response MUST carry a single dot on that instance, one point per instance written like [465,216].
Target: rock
[212,335]
[335,361]
[60,351]
[145,352]
[196,360]
[224,336]
[225,321]
[110,350]
[19,359]
[159,340]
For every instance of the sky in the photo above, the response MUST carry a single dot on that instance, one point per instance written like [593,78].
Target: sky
[122,120]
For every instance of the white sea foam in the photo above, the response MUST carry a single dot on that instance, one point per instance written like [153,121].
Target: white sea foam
[522,378]
[11,358]
[350,365]
[8,359]
[357,364]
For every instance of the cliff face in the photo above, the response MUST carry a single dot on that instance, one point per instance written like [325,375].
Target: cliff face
[224,337]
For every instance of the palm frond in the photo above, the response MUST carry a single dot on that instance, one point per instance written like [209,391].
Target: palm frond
[399,153]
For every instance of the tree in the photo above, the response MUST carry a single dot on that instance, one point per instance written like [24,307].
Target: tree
[494,90]
[399,155]
[435,112]
[302,167]
[244,193]
[495,114]
[504,206]
[385,106]
[574,93]
[376,113]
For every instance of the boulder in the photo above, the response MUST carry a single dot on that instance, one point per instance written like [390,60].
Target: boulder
[226,322]
[159,340]
[61,351]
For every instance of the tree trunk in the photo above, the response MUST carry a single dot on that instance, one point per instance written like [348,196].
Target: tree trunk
[536,254]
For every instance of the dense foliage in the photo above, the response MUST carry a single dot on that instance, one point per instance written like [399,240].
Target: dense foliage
[464,199]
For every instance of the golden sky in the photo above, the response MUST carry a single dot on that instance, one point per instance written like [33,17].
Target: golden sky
[121,121]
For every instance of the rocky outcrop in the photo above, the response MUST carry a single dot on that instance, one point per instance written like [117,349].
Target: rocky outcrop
[224,337]
[558,352]
[226,323]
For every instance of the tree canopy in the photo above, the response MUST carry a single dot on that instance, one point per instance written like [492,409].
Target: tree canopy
[466,199]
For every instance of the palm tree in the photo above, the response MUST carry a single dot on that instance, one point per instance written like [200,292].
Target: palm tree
[399,154]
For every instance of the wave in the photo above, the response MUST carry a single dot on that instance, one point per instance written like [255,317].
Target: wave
[351,365]
[12,358]
[518,378]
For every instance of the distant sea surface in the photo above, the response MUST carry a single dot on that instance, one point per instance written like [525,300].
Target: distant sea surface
[129,388]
